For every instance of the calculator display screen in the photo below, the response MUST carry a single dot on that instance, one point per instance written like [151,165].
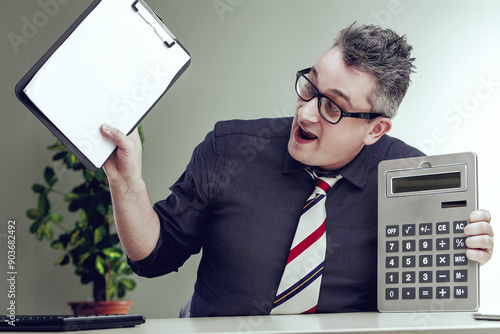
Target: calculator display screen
[426,182]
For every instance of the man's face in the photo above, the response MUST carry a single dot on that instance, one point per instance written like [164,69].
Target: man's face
[314,141]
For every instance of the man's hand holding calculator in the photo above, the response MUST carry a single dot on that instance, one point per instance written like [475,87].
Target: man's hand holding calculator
[480,237]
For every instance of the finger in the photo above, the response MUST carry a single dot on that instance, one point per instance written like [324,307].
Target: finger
[484,242]
[478,228]
[114,134]
[480,215]
[480,256]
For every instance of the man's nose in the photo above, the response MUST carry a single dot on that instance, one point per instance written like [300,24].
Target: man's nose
[309,111]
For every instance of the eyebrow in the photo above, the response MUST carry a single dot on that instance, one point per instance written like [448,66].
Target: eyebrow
[333,90]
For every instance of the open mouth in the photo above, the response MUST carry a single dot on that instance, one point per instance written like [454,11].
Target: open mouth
[303,134]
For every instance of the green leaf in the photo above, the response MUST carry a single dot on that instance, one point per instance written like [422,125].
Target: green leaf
[113,253]
[56,244]
[47,231]
[43,205]
[62,260]
[69,197]
[59,155]
[99,234]
[50,176]
[128,283]
[33,214]
[99,265]
[38,188]
[34,226]
[83,258]
[56,218]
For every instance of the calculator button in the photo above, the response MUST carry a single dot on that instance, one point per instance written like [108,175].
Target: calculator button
[460,276]
[442,260]
[459,243]
[425,228]
[392,231]
[442,244]
[408,293]
[425,293]
[409,261]
[458,226]
[442,276]
[391,278]
[408,229]
[392,262]
[425,244]
[442,228]
[425,260]
[408,245]
[460,259]
[425,277]
[408,277]
[392,246]
[391,293]
[460,292]
[443,292]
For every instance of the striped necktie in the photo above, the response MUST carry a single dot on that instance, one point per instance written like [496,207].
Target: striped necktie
[298,291]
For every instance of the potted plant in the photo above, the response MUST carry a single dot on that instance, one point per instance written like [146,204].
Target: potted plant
[91,244]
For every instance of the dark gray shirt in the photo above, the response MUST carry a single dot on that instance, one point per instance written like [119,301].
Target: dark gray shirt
[240,200]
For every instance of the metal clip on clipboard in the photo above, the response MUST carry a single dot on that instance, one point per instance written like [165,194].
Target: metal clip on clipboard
[155,22]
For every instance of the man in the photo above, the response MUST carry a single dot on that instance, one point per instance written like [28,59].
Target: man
[241,196]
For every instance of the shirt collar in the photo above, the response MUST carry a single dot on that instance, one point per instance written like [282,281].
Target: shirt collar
[355,172]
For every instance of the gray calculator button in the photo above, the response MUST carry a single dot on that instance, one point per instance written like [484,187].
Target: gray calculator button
[425,244]
[458,226]
[392,262]
[425,293]
[460,275]
[409,261]
[391,293]
[392,231]
[442,276]
[425,277]
[408,293]
[425,228]
[459,259]
[442,260]
[408,245]
[443,292]
[408,277]
[425,260]
[408,229]
[392,246]
[442,228]
[443,244]
[460,292]
[459,243]
[391,278]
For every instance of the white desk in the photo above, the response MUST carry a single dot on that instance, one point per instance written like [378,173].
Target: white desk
[442,323]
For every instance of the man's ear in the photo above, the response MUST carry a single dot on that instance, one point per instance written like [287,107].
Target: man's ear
[379,127]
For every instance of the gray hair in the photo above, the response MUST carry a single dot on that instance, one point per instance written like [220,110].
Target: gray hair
[383,54]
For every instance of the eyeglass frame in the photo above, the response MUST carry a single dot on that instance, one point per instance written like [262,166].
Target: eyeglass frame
[343,113]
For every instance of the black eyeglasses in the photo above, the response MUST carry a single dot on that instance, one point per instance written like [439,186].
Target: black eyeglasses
[328,109]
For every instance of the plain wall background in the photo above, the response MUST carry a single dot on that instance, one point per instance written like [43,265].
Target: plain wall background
[244,57]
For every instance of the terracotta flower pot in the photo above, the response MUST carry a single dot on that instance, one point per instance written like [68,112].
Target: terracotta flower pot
[104,307]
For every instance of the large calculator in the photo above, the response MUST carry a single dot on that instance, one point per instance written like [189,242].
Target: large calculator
[423,207]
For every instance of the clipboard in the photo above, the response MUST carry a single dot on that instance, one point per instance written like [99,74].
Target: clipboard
[112,66]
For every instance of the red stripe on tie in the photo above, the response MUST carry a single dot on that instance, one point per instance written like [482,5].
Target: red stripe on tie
[312,310]
[323,185]
[304,244]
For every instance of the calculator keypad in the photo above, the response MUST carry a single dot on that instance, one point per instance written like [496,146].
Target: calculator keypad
[426,261]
